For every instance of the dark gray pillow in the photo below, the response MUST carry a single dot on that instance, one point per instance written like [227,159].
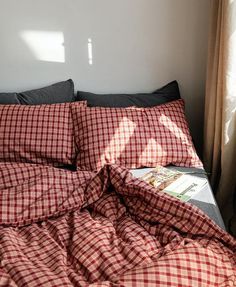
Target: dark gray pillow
[9,99]
[167,93]
[60,92]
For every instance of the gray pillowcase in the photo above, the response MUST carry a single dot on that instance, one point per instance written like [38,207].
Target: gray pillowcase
[60,92]
[165,94]
[9,99]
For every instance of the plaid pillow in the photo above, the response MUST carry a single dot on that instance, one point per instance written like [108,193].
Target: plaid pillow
[37,134]
[134,137]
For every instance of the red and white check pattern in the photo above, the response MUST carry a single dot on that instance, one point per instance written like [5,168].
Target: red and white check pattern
[105,229]
[134,137]
[25,184]
[37,134]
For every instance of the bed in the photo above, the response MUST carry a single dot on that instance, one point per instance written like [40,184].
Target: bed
[74,212]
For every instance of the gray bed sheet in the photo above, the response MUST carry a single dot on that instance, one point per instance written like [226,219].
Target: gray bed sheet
[204,199]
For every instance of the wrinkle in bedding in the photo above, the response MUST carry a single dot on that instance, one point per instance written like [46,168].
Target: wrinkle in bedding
[64,228]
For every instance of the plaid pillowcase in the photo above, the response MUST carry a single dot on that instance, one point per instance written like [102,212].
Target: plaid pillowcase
[169,130]
[40,134]
[133,137]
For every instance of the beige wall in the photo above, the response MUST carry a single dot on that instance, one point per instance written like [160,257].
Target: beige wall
[137,45]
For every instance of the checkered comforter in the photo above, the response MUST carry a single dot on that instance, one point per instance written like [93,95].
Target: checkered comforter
[63,228]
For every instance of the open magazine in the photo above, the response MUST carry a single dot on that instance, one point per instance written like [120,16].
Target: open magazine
[178,184]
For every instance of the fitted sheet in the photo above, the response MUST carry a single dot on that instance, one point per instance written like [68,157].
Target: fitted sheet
[204,199]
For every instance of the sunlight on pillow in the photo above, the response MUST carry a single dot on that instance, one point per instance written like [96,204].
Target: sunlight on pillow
[133,137]
[119,140]
[174,129]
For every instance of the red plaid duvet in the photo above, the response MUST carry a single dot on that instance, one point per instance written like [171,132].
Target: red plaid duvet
[63,228]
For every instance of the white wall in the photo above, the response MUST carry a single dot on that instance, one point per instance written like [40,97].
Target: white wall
[138,45]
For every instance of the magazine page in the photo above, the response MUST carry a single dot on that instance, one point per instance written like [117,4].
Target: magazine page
[185,187]
[178,184]
[161,177]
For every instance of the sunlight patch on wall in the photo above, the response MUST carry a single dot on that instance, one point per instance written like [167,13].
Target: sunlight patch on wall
[46,45]
[90,51]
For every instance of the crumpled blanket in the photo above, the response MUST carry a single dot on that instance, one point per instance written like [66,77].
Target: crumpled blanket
[65,228]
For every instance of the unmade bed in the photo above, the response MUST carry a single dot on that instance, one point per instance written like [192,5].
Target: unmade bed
[65,228]
[72,213]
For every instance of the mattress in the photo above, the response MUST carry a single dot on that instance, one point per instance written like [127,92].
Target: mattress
[204,199]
